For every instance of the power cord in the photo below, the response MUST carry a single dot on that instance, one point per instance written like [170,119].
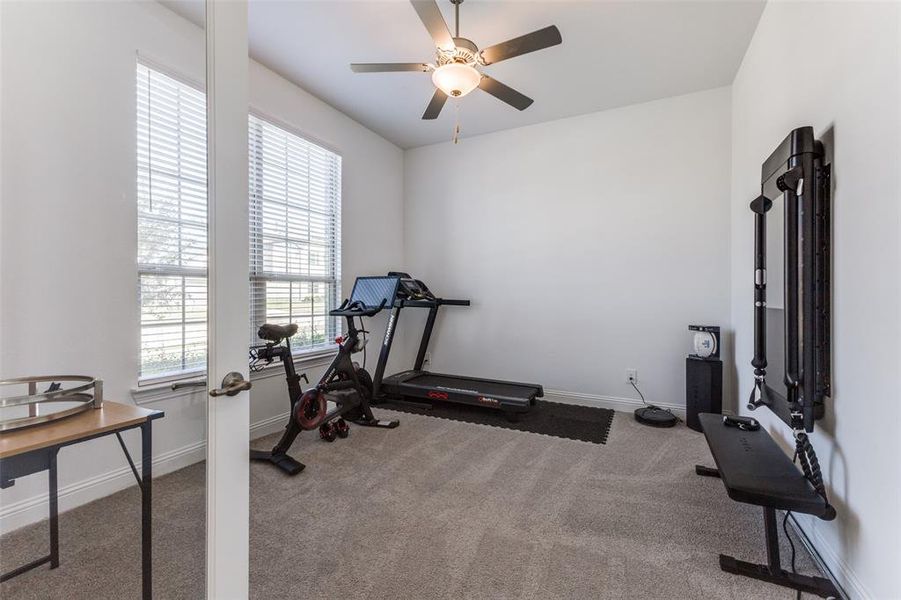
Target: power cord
[652,406]
[790,543]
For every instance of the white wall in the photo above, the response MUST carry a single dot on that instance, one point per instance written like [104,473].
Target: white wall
[587,245]
[835,66]
[68,240]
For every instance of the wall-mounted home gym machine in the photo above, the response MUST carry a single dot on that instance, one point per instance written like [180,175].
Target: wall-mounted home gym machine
[791,356]
[417,385]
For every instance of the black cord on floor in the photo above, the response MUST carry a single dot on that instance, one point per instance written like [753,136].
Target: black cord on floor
[790,543]
[788,537]
[645,402]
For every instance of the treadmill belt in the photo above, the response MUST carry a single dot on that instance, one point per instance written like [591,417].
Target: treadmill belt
[486,388]
[585,423]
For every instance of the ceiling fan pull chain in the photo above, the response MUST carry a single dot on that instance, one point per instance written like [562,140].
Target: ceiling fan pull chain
[456,120]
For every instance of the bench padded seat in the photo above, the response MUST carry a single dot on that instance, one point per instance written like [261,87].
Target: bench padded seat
[755,470]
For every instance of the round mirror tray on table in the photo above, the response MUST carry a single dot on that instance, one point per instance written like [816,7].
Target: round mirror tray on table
[30,401]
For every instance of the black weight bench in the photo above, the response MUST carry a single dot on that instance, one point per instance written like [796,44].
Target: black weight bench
[756,471]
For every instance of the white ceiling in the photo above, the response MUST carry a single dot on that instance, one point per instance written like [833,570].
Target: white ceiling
[613,54]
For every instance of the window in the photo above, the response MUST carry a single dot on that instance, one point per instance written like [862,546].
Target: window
[295,232]
[295,229]
[172,224]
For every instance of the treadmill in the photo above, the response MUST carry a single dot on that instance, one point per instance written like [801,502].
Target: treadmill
[417,386]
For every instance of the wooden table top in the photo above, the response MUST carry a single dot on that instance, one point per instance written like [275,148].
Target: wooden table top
[112,417]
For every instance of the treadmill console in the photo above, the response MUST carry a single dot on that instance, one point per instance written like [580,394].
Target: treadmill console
[372,291]
[411,289]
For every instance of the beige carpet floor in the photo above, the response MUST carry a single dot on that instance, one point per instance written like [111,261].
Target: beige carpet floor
[433,509]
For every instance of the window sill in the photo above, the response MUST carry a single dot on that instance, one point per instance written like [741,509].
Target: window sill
[160,389]
[162,380]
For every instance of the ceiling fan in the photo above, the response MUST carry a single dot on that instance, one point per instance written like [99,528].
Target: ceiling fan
[456,69]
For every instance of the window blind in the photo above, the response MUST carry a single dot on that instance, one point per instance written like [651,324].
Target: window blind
[295,234]
[172,224]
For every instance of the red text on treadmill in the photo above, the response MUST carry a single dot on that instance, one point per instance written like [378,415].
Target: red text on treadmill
[438,395]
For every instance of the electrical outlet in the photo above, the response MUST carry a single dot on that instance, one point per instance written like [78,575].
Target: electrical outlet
[631,375]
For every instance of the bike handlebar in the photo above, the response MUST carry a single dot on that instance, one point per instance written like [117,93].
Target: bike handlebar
[356,309]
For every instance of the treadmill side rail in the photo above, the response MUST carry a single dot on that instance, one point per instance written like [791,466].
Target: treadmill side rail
[503,395]
[508,396]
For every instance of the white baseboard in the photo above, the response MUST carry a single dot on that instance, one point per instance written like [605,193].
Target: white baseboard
[268,426]
[828,560]
[34,509]
[611,402]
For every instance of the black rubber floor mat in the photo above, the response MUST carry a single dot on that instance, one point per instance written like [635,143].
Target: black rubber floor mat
[571,421]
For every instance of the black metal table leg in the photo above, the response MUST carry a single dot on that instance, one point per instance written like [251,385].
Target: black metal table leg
[54,510]
[27,464]
[146,520]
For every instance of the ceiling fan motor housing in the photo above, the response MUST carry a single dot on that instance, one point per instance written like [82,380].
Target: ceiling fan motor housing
[465,52]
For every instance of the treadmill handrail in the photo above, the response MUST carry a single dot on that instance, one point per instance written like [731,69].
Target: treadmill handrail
[452,302]
[406,303]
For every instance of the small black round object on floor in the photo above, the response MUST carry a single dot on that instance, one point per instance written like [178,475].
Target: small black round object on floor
[655,417]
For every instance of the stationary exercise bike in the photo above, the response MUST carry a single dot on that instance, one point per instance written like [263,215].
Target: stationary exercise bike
[345,384]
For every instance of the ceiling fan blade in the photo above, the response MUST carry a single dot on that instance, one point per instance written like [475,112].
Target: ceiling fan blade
[530,42]
[435,105]
[388,67]
[430,15]
[505,93]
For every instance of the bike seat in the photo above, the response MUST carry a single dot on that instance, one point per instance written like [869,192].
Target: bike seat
[276,333]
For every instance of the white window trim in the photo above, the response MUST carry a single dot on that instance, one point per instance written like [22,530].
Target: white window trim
[161,67]
[310,352]
[254,111]
[165,379]
[303,357]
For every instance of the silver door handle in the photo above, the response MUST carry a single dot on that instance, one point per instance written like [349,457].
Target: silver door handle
[232,385]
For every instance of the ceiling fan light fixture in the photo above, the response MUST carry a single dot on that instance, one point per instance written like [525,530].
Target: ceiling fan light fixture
[456,79]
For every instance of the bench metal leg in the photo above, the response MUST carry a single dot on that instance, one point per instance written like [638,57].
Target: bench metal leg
[772,572]
[706,471]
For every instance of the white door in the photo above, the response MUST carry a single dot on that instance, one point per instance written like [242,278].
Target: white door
[228,434]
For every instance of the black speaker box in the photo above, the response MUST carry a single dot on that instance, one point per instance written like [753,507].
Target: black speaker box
[703,389]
